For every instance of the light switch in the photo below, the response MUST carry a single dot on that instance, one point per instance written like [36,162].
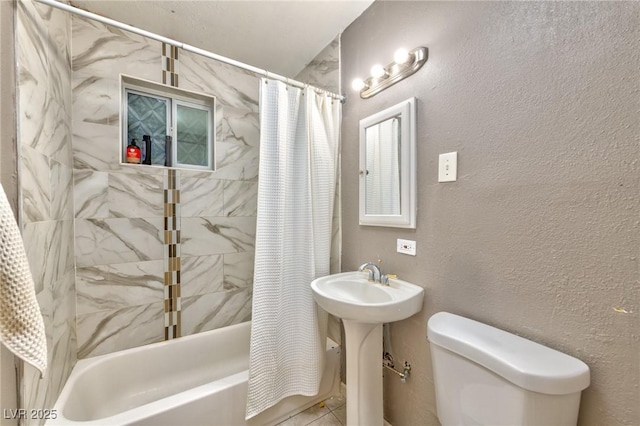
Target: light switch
[448,167]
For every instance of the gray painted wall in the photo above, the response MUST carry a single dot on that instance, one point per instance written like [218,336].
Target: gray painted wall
[539,235]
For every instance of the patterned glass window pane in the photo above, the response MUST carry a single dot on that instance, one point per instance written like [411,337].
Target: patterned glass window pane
[168,114]
[147,115]
[192,136]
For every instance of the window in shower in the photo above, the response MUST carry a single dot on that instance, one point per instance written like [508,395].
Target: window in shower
[178,123]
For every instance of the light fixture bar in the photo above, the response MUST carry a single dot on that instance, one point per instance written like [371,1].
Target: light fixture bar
[396,72]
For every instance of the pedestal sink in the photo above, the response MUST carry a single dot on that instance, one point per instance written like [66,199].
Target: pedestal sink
[364,306]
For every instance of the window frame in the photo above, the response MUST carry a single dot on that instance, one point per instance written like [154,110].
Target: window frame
[174,97]
[174,148]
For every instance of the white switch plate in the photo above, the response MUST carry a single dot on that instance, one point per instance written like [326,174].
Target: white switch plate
[448,167]
[406,247]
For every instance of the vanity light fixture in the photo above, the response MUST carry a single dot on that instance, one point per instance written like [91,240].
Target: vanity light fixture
[358,84]
[401,56]
[378,71]
[404,64]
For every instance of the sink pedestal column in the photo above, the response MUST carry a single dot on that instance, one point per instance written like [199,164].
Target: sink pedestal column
[364,373]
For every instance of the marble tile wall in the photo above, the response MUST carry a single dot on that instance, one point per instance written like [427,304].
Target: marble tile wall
[45,156]
[324,70]
[119,209]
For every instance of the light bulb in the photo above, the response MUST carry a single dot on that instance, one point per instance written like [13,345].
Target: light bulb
[378,71]
[401,56]
[357,84]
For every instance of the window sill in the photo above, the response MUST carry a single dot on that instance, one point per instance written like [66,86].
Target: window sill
[158,167]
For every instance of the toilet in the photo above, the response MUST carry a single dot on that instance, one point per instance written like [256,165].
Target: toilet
[486,376]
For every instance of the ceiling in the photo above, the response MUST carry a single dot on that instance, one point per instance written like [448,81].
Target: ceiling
[279,36]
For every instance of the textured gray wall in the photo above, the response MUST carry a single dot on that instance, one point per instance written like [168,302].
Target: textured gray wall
[540,234]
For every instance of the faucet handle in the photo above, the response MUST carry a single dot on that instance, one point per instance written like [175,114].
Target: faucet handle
[384,280]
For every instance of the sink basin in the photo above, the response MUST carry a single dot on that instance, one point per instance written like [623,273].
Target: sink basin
[364,306]
[351,296]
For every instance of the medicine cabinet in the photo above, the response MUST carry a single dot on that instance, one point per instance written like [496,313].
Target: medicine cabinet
[388,167]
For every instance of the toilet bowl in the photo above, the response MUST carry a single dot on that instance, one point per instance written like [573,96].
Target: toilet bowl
[486,376]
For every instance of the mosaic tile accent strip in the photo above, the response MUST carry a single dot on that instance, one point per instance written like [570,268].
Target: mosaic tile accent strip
[172,296]
[170,65]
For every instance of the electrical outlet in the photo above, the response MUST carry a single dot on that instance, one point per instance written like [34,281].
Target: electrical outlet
[406,247]
[448,167]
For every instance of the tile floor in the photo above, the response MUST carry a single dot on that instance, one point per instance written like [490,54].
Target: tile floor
[331,412]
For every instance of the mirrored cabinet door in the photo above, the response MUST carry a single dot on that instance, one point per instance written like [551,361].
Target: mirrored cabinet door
[387,167]
[382,173]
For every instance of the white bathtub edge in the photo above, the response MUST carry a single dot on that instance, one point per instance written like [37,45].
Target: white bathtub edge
[287,408]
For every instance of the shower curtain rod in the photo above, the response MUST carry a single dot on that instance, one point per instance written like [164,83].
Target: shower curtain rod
[185,46]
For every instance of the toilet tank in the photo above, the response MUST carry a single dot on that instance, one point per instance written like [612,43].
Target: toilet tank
[486,376]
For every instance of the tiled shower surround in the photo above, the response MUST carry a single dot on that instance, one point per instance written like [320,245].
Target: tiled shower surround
[72,182]
[121,256]
[324,70]
[45,162]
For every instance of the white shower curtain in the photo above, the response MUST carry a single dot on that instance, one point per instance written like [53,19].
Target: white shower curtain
[299,147]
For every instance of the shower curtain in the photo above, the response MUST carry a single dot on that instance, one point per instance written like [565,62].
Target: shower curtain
[299,145]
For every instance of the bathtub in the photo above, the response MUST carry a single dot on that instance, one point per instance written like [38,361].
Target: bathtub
[194,380]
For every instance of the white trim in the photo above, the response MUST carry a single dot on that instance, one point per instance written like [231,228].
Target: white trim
[210,135]
[407,218]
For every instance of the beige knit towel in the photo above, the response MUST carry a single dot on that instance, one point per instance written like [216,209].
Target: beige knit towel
[21,324]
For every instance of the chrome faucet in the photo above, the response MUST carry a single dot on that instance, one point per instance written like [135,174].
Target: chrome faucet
[373,269]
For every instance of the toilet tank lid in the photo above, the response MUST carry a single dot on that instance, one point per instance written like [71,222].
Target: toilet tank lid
[525,363]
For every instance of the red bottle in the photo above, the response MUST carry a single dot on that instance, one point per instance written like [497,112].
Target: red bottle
[133,153]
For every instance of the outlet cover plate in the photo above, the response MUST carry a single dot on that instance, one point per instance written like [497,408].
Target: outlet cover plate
[406,247]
